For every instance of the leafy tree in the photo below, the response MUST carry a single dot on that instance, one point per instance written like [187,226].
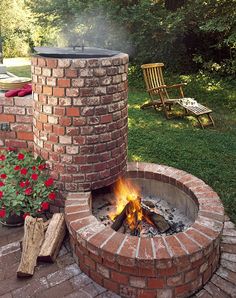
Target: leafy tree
[15,27]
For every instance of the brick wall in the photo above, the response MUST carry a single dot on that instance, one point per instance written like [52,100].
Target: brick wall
[17,112]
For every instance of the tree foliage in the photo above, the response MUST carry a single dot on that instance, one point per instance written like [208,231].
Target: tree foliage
[185,34]
[15,27]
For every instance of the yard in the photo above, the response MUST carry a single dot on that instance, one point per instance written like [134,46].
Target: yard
[209,154]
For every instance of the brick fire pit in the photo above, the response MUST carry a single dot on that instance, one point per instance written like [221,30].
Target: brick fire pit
[172,266]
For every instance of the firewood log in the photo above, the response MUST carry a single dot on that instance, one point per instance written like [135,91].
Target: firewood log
[156,219]
[53,238]
[120,218]
[32,241]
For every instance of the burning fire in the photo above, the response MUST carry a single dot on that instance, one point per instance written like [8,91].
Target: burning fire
[126,192]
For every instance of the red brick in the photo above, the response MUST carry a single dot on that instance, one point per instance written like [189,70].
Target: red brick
[199,238]
[184,289]
[16,143]
[175,280]
[120,277]
[96,277]
[59,111]
[127,253]
[207,275]
[58,130]
[191,275]
[25,136]
[47,127]
[190,246]
[24,119]
[78,215]
[156,283]
[65,121]
[43,118]
[7,118]
[111,285]
[110,248]
[72,111]
[175,246]
[106,118]
[47,90]
[145,253]
[57,91]
[98,239]
[89,262]
[51,63]
[64,82]
[71,73]
[205,230]
[167,271]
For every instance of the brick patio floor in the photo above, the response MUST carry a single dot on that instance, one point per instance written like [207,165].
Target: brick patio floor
[65,279]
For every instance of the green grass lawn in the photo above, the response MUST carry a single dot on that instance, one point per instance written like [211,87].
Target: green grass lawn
[209,154]
[21,71]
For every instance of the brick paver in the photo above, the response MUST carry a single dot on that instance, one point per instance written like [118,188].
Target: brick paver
[65,279]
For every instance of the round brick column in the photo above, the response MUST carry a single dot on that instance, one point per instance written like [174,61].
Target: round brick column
[80,119]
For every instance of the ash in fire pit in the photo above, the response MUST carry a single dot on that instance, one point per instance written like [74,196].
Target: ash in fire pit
[153,216]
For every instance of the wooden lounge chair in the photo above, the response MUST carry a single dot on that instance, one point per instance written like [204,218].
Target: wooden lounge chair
[158,92]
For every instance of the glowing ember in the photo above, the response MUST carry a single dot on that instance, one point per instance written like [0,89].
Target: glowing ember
[126,192]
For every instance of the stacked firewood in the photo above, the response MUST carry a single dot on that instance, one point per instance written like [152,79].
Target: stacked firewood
[42,241]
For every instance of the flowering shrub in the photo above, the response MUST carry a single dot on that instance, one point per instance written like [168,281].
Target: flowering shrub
[25,188]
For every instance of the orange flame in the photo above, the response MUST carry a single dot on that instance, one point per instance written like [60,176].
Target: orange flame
[126,192]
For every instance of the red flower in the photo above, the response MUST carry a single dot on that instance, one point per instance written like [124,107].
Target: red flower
[21,156]
[2,213]
[3,176]
[41,167]
[45,206]
[17,168]
[28,191]
[26,214]
[52,196]
[2,157]
[34,176]
[34,168]
[22,184]
[23,171]
[1,194]
[48,182]
[27,183]
[1,183]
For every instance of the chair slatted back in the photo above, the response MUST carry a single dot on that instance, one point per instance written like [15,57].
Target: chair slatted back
[153,77]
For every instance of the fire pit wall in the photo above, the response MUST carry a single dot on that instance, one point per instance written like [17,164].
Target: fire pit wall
[163,266]
[80,119]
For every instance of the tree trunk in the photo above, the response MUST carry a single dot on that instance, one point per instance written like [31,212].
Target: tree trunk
[32,241]
[53,238]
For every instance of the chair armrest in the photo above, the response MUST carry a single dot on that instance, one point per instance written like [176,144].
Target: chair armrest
[176,85]
[157,88]
[167,87]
